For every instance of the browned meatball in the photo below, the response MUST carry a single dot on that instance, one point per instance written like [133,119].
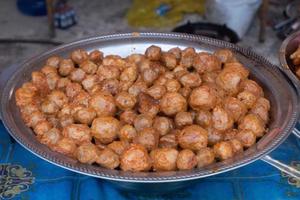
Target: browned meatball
[238,68]
[58,97]
[214,136]
[39,80]
[72,89]
[148,137]
[49,70]
[205,62]
[230,134]
[89,82]
[202,98]
[149,75]
[80,133]
[34,118]
[29,109]
[203,118]
[246,137]
[169,60]
[225,55]
[236,145]
[186,160]
[128,116]
[66,146]
[49,107]
[172,85]
[52,80]
[51,137]
[108,158]
[87,153]
[176,52]
[62,83]
[129,74]
[77,75]
[42,128]
[85,116]
[169,140]
[223,150]
[65,120]
[105,129]
[172,103]
[261,108]
[210,77]
[221,119]
[135,58]
[157,91]
[253,87]
[235,108]
[79,55]
[147,105]
[96,56]
[24,97]
[247,98]
[135,159]
[137,88]
[125,101]
[114,60]
[193,137]
[103,103]
[183,119]
[190,80]
[205,156]
[127,133]
[185,92]
[162,125]
[108,72]
[153,52]
[81,99]
[110,85]
[89,67]
[229,81]
[187,57]
[53,61]
[164,159]
[118,146]
[142,121]
[66,66]
[254,123]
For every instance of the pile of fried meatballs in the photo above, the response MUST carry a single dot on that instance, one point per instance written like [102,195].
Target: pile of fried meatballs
[295,57]
[158,111]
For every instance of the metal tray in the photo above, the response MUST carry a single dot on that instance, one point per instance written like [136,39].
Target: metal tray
[281,92]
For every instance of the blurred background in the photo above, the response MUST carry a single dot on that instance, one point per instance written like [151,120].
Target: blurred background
[31,26]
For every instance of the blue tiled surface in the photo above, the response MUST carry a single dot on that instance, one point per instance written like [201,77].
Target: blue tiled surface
[255,181]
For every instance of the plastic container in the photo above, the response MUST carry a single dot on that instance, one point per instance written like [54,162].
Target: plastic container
[32,7]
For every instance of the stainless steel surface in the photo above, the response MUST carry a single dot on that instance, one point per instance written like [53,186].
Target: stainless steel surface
[282,94]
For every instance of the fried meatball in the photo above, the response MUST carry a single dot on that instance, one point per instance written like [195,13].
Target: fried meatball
[108,72]
[253,87]
[187,57]
[185,92]
[238,68]
[49,107]
[49,70]
[205,62]
[254,123]
[24,97]
[193,137]
[135,58]
[164,159]
[62,83]
[224,55]
[135,159]
[190,80]
[127,133]
[236,145]
[137,88]
[172,85]
[118,146]
[203,118]
[34,118]
[247,98]
[88,67]
[186,160]
[205,156]
[261,108]
[77,75]
[157,91]
[172,103]
[169,140]
[128,116]
[29,109]
[72,89]
[221,119]
[110,85]
[147,105]
[42,128]
[214,136]
[58,97]
[125,101]
[114,60]
[223,150]
[78,56]
[105,129]
[246,137]
[148,137]
[129,74]
[108,158]
[235,108]
[202,98]
[149,76]
[183,119]
[87,153]
[153,52]
[53,61]
[51,137]
[65,120]
[85,116]
[80,133]
[210,77]
[81,99]
[96,56]
[66,66]
[89,82]
[39,80]
[176,52]
[230,134]
[142,121]
[162,125]
[66,146]
[229,81]
[103,103]
[169,60]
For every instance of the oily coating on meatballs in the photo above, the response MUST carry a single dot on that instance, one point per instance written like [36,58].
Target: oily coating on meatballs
[193,137]
[172,103]
[164,159]
[105,129]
